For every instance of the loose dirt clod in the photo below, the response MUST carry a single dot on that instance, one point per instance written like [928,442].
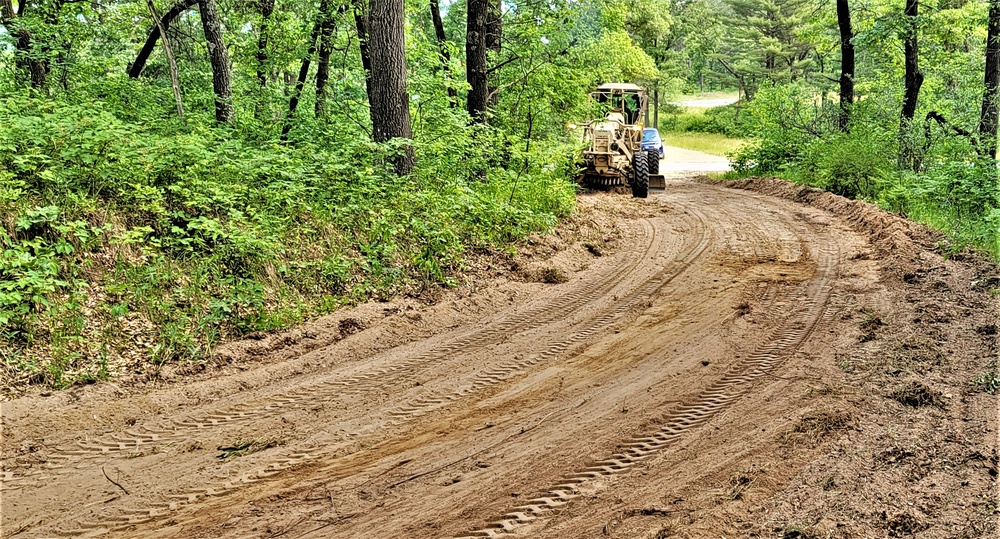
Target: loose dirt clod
[551,275]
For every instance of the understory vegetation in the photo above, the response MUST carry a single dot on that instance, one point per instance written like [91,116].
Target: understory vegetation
[124,244]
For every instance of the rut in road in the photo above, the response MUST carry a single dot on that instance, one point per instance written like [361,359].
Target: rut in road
[691,415]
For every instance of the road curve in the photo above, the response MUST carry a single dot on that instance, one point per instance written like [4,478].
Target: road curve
[510,422]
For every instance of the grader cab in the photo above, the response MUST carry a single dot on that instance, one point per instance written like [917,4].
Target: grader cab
[614,154]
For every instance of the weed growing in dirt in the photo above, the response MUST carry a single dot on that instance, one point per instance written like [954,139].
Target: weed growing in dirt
[989,381]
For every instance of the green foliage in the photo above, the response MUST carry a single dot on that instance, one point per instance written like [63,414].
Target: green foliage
[118,239]
[988,382]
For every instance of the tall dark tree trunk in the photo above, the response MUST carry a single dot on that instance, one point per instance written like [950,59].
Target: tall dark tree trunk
[323,61]
[266,9]
[445,55]
[388,98]
[846,62]
[222,81]
[361,23]
[293,101]
[139,64]
[475,59]
[988,118]
[912,80]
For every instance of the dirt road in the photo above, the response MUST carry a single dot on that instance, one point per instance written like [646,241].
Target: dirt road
[707,362]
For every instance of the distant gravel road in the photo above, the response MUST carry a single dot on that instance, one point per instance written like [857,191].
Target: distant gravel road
[707,103]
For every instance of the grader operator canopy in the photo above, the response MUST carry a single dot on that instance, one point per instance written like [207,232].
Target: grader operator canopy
[629,99]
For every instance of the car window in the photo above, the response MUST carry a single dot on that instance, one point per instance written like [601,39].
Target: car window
[650,135]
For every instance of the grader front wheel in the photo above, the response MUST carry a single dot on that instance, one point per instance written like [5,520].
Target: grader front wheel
[640,175]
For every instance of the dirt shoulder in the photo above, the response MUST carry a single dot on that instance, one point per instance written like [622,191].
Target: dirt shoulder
[750,359]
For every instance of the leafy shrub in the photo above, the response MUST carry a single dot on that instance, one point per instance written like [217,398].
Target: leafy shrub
[855,165]
[198,236]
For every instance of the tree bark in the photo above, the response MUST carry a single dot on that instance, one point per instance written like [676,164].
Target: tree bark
[261,104]
[266,9]
[846,62]
[300,83]
[174,81]
[222,82]
[445,55]
[139,64]
[388,98]
[323,62]
[475,59]
[912,81]
[361,23]
[989,116]
[656,103]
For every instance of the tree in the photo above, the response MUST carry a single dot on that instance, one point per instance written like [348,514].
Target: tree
[442,42]
[222,82]
[136,67]
[913,78]
[846,62]
[388,99]
[988,118]
[475,59]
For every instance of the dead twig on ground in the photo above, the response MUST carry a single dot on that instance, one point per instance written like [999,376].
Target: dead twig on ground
[113,482]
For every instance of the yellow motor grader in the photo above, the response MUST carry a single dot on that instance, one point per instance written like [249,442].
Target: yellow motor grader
[614,154]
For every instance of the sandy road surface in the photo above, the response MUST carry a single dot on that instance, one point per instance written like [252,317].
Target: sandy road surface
[710,367]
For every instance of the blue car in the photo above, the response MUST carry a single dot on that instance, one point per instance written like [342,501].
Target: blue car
[651,141]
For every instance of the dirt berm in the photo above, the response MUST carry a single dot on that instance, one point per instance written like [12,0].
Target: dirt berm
[750,359]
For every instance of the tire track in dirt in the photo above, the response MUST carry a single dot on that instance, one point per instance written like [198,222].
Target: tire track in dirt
[543,311]
[427,404]
[737,382]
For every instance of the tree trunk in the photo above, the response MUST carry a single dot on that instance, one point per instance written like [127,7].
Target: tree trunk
[988,119]
[261,105]
[912,81]
[388,98]
[656,103]
[266,9]
[846,62]
[445,55]
[219,57]
[361,22]
[139,64]
[475,59]
[293,102]
[323,61]
[36,68]
[174,81]
[494,44]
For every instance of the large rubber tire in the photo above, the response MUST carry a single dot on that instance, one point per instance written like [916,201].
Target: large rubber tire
[653,160]
[640,175]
